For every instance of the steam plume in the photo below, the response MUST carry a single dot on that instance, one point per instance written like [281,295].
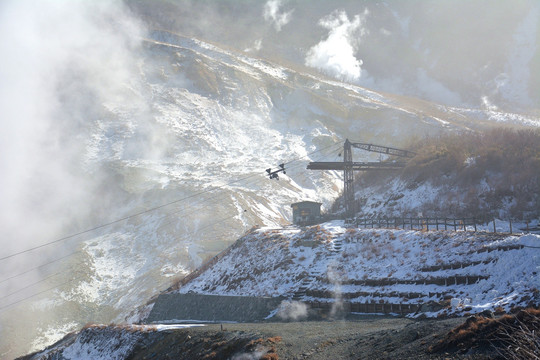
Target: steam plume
[336,55]
[335,277]
[292,310]
[61,61]
[273,15]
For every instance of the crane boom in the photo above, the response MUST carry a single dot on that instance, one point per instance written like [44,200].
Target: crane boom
[348,166]
[358,166]
[384,150]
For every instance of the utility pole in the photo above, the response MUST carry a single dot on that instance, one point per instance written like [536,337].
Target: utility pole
[348,178]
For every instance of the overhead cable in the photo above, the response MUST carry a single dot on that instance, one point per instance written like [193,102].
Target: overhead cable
[143,212]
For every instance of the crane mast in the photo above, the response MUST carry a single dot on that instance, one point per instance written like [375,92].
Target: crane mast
[348,166]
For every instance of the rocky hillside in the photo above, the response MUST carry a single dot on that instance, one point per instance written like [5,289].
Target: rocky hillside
[349,271]
[376,336]
[476,54]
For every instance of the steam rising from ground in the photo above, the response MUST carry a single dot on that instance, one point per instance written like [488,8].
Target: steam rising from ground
[441,50]
[335,277]
[60,61]
[336,54]
[257,354]
[273,14]
[68,66]
[514,83]
[292,310]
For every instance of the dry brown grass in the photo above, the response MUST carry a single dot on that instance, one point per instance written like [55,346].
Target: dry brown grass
[511,336]
[212,355]
[508,160]
[266,346]
[270,356]
[275,339]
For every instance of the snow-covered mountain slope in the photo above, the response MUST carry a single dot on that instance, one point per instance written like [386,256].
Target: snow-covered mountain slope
[470,54]
[484,201]
[194,126]
[458,271]
[322,96]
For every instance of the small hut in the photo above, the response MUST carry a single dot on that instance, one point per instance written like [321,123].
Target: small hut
[306,212]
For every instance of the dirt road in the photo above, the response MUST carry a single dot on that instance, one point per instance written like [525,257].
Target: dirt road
[360,337]
[365,337]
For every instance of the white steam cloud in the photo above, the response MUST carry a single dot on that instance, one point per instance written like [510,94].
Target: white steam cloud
[515,85]
[292,310]
[273,14]
[256,355]
[61,61]
[335,55]
[257,46]
[335,277]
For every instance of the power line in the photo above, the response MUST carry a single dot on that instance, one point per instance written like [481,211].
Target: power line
[161,226]
[213,198]
[203,228]
[29,286]
[2,308]
[146,211]
[77,278]
[39,267]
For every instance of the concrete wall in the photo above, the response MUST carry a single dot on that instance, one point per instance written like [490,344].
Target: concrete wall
[211,308]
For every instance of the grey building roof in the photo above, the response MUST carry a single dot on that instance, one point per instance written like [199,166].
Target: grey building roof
[307,203]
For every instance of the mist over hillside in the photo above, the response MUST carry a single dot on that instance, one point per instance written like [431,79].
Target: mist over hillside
[135,135]
[475,54]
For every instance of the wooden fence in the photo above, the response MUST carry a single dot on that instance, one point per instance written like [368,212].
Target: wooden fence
[455,224]
[416,223]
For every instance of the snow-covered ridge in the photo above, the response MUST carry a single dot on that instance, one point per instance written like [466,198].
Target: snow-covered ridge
[457,271]
[240,62]
[432,113]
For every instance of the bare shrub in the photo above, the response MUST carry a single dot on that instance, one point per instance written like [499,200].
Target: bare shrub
[513,337]
[504,159]
[521,339]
